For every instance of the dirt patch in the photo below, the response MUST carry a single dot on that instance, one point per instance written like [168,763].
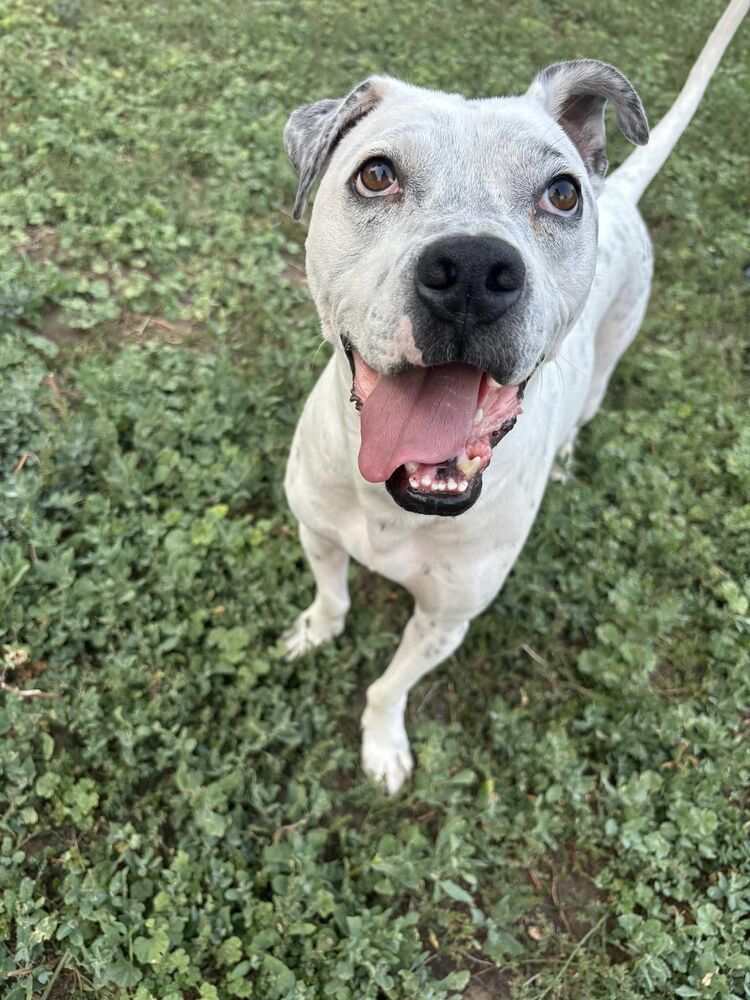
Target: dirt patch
[52,326]
[294,270]
[494,984]
[40,244]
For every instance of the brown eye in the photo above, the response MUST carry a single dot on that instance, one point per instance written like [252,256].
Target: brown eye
[561,197]
[376,177]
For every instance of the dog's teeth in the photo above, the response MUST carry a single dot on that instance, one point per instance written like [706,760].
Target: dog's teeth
[479,416]
[469,467]
[463,486]
[414,483]
[426,480]
[435,487]
[452,484]
[493,383]
[411,466]
[442,486]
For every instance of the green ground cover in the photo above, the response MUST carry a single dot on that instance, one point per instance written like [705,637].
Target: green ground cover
[182,813]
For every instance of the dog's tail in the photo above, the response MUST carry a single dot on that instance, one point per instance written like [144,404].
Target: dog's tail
[640,168]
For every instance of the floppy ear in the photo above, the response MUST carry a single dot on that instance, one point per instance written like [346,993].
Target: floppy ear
[313,131]
[575,94]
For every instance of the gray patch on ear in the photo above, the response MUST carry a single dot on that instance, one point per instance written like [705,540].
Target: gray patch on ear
[575,94]
[312,132]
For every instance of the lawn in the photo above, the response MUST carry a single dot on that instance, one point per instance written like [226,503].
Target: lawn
[182,812]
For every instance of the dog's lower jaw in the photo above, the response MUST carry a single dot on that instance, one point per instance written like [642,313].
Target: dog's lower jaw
[441,505]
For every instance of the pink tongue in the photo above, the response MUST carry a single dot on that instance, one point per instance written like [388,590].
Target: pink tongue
[422,416]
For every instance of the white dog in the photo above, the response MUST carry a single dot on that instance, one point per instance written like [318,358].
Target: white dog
[455,245]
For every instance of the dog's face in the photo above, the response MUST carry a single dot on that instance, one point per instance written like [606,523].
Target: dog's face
[452,246]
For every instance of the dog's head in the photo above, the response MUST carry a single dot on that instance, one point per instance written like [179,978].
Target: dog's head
[452,246]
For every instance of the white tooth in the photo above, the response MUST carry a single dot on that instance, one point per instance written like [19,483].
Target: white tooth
[414,483]
[411,466]
[493,383]
[435,487]
[469,467]
[441,486]
[463,486]
[479,416]
[426,480]
[452,484]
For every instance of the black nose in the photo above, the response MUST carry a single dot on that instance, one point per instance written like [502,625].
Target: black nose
[474,279]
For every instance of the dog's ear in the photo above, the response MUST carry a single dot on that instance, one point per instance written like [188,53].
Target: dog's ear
[313,131]
[575,93]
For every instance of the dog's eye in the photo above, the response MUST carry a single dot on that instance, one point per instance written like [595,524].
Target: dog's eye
[561,196]
[377,177]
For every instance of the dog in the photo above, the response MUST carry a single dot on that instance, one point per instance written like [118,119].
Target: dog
[455,248]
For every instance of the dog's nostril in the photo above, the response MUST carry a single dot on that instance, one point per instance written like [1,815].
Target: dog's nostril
[440,273]
[505,277]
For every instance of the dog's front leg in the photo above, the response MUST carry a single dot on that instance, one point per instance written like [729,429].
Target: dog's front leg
[426,642]
[325,617]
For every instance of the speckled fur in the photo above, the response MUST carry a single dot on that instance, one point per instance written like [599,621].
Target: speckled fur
[469,167]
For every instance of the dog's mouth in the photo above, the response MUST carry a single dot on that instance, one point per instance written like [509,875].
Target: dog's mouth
[428,433]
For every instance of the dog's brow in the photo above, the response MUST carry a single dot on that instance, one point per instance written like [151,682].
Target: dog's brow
[551,153]
[396,132]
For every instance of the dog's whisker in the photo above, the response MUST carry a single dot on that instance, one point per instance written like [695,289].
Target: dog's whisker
[567,361]
[317,351]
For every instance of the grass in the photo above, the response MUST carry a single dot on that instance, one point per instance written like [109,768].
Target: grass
[182,813]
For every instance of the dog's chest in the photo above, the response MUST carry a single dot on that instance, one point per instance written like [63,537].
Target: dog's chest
[384,543]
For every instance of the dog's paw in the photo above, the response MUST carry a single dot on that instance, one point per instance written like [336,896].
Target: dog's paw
[386,757]
[562,467]
[559,474]
[312,628]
